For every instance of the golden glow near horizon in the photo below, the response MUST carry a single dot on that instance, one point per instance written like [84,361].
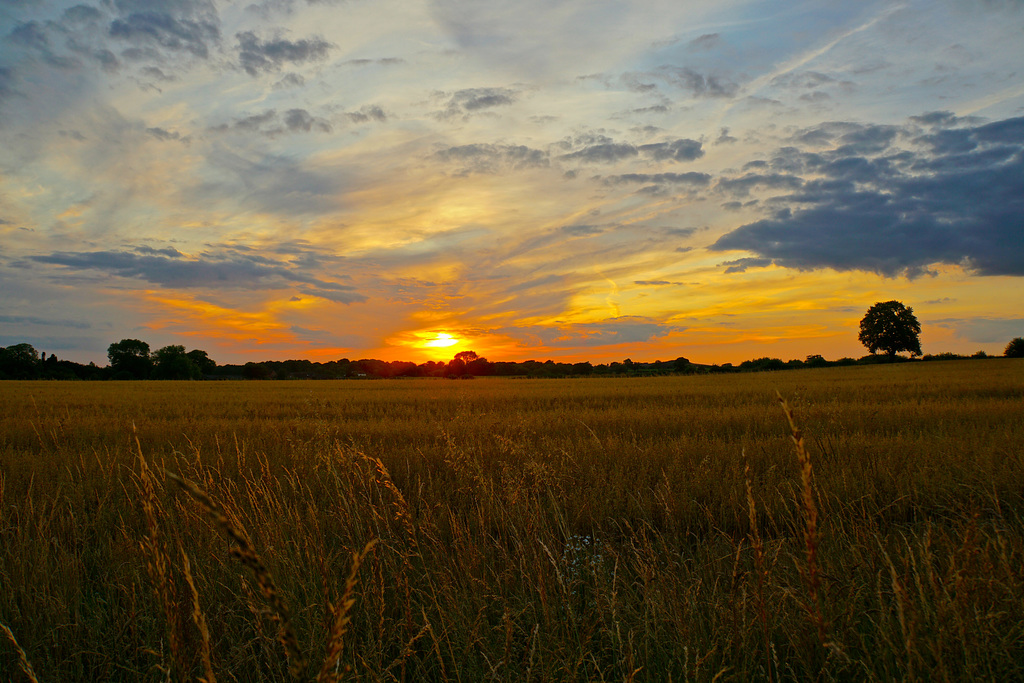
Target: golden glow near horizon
[441,341]
[460,178]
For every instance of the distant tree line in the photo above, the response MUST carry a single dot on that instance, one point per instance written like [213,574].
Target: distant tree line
[131,359]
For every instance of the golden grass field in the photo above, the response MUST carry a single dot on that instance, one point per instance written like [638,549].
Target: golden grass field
[647,529]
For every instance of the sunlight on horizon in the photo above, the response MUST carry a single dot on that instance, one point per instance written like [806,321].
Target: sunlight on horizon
[441,341]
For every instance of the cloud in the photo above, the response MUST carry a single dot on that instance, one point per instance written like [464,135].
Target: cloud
[900,214]
[691,178]
[472,100]
[367,113]
[676,150]
[802,80]
[174,26]
[705,42]
[33,320]
[271,124]
[985,330]
[290,81]
[488,158]
[580,230]
[725,138]
[256,55]
[622,330]
[741,265]
[228,270]
[743,185]
[300,120]
[697,84]
[6,83]
[943,119]
[608,152]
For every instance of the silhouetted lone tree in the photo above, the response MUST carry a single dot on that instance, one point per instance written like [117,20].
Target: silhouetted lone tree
[891,327]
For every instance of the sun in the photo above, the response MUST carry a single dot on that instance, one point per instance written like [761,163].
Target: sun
[440,340]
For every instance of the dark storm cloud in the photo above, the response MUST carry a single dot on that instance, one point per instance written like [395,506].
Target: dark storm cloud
[488,158]
[256,55]
[225,270]
[951,203]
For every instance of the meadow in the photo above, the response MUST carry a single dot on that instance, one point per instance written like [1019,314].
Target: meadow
[598,529]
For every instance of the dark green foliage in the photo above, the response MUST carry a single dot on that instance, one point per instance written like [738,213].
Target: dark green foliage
[202,361]
[130,357]
[19,361]
[1015,349]
[891,327]
[171,362]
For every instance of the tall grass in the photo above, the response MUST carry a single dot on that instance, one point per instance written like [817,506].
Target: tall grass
[650,529]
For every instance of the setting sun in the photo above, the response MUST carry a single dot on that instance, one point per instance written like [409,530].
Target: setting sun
[441,340]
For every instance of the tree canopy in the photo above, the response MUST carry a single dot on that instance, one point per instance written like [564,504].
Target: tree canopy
[129,359]
[891,327]
[1015,349]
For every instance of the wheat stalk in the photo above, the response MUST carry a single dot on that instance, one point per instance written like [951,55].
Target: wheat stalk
[199,618]
[811,538]
[762,611]
[157,562]
[244,553]
[339,625]
[26,666]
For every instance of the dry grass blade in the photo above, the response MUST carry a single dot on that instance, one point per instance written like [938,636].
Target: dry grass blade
[339,626]
[199,618]
[245,554]
[810,509]
[157,562]
[26,666]
[762,611]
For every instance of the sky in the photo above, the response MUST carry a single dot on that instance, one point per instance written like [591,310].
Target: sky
[545,179]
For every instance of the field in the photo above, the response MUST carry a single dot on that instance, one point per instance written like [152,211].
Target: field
[649,529]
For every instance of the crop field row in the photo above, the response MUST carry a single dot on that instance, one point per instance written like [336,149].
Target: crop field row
[645,529]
